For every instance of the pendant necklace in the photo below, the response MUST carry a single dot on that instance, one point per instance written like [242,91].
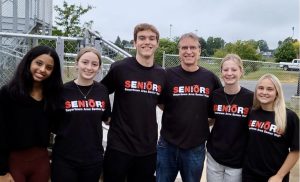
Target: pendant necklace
[234,97]
[88,92]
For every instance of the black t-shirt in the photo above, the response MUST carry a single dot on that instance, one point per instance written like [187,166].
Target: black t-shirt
[186,106]
[79,134]
[24,123]
[228,138]
[137,90]
[267,150]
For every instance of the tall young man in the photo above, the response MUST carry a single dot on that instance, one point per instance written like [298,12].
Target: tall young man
[185,129]
[137,84]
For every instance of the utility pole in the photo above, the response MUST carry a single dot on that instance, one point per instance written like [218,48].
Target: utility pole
[298,86]
[170,31]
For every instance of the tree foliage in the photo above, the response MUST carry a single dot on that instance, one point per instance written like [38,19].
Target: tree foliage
[68,20]
[118,42]
[263,45]
[126,43]
[122,43]
[286,51]
[212,44]
[245,49]
[167,46]
[296,46]
[203,46]
[252,43]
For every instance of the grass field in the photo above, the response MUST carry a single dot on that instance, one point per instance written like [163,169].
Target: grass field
[261,69]
[283,76]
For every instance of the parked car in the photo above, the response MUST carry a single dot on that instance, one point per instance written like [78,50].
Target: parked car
[294,65]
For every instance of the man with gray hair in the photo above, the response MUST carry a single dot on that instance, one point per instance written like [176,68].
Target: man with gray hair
[186,106]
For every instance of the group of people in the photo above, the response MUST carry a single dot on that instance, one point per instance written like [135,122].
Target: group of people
[254,138]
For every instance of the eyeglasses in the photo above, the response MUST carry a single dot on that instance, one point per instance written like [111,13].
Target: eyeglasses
[192,48]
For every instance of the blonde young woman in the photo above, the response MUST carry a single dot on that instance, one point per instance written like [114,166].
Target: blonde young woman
[228,138]
[78,150]
[273,147]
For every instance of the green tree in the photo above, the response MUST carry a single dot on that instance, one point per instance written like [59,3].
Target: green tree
[245,49]
[176,39]
[252,43]
[118,42]
[68,20]
[285,52]
[296,46]
[203,46]
[263,45]
[167,46]
[220,53]
[212,44]
[126,43]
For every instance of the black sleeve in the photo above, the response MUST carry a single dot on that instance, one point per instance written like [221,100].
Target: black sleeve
[164,91]
[57,115]
[56,118]
[109,80]
[293,130]
[218,83]
[4,152]
[211,113]
[107,112]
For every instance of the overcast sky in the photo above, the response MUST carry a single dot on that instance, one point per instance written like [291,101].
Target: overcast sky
[270,20]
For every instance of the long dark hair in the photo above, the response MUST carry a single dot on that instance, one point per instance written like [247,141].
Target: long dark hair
[21,84]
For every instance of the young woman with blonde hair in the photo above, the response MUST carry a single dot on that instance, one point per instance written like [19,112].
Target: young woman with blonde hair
[273,147]
[228,138]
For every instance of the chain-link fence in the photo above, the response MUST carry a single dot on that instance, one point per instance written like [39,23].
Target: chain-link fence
[14,46]
[252,69]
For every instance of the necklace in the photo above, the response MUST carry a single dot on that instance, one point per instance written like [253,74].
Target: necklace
[234,97]
[229,103]
[88,92]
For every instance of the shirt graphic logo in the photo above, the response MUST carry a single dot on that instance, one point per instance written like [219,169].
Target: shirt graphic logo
[144,87]
[84,105]
[264,127]
[231,110]
[191,90]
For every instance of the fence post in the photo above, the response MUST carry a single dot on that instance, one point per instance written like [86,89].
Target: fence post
[15,16]
[60,51]
[164,60]
[1,17]
[98,47]
[295,100]
[98,44]
[85,40]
